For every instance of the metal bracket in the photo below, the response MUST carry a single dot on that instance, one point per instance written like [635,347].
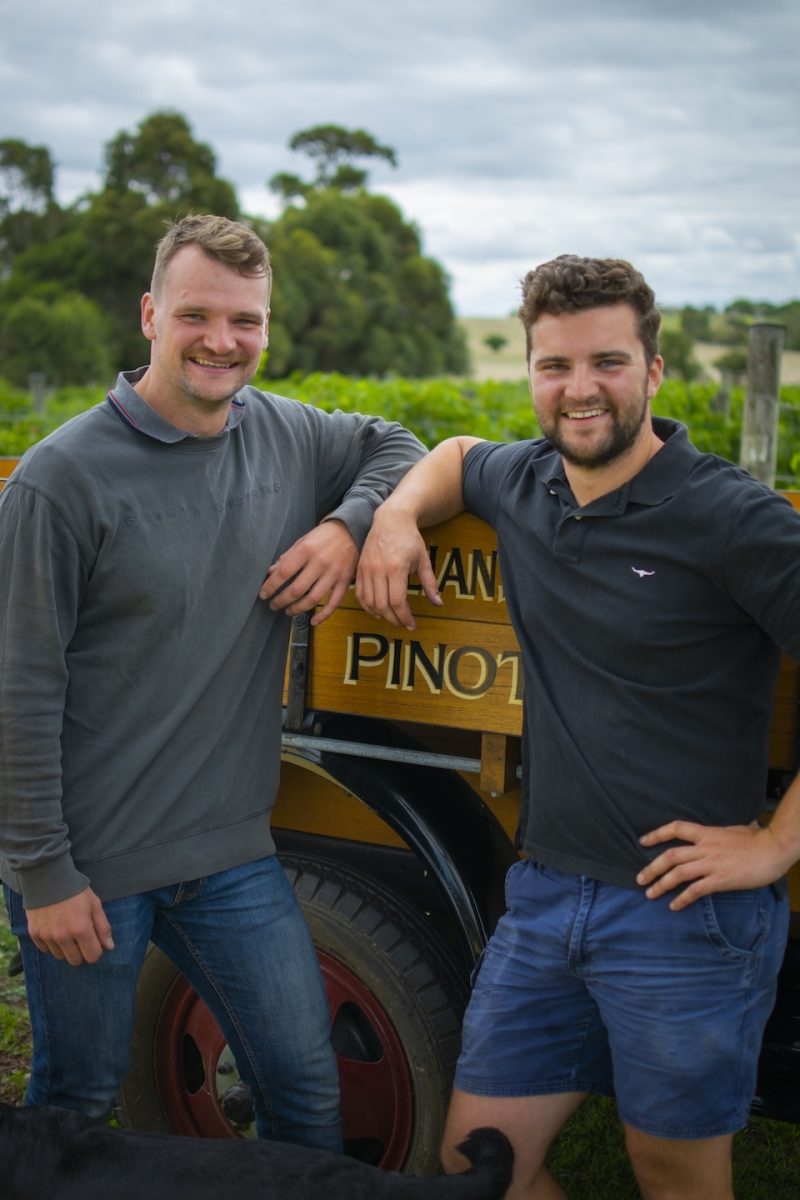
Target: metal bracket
[299,654]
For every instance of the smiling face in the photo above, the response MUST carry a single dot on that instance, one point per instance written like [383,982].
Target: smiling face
[592,386]
[207,325]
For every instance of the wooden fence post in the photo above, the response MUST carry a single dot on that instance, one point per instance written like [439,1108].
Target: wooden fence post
[759,448]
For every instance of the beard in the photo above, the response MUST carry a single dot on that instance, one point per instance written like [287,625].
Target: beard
[621,437]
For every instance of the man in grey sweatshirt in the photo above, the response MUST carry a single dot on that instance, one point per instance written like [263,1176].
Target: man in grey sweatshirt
[142,654]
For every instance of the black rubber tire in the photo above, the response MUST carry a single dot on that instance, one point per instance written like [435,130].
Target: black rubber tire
[390,949]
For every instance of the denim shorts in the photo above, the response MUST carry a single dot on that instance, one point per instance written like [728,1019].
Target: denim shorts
[589,987]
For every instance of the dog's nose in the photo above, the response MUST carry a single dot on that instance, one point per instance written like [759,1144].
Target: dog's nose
[237,1104]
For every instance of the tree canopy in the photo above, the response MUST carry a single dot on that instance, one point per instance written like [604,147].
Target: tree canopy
[353,290]
[101,248]
[27,200]
[354,293]
[168,166]
[333,148]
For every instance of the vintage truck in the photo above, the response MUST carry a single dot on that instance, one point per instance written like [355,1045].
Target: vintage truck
[395,823]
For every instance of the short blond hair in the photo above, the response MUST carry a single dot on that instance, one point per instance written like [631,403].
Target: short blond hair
[229,242]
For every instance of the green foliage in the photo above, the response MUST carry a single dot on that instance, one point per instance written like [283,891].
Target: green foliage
[434,409]
[353,293]
[696,322]
[27,202]
[27,175]
[734,361]
[741,314]
[731,330]
[163,161]
[495,341]
[788,315]
[102,248]
[66,340]
[15,1030]
[21,427]
[694,404]
[353,290]
[117,234]
[788,466]
[333,147]
[14,401]
[441,407]
[289,187]
[677,350]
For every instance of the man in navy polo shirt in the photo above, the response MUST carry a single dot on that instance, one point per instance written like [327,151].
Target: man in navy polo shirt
[651,588]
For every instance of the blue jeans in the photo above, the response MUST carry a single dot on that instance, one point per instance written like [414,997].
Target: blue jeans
[240,939]
[588,987]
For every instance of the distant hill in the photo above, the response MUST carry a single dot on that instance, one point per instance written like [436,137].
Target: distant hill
[509,362]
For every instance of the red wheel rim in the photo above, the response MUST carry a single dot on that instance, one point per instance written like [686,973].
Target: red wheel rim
[191,1064]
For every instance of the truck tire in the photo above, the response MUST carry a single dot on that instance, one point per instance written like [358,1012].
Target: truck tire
[396,997]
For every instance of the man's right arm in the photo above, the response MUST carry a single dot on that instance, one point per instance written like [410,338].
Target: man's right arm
[39,564]
[431,492]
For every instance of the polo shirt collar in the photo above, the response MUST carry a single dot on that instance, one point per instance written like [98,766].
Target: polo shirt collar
[659,479]
[665,472]
[136,412]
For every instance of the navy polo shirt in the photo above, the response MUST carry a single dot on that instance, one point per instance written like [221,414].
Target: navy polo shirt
[649,622]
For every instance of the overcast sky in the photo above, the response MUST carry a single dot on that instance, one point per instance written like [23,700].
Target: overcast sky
[664,131]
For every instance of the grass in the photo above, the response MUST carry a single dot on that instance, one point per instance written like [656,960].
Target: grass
[588,1159]
[15,1030]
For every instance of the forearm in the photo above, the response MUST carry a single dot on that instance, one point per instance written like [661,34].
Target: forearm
[432,491]
[34,838]
[363,459]
[785,827]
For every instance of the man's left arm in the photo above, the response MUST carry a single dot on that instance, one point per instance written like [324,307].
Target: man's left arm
[723,858]
[360,461]
[761,554]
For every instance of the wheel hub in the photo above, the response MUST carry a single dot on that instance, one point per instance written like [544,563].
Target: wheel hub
[202,1094]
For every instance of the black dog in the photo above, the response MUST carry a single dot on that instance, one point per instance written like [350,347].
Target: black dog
[52,1154]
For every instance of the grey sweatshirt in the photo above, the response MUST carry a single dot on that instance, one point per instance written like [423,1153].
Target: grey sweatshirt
[140,675]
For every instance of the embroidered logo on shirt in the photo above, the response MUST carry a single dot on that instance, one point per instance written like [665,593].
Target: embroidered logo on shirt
[640,571]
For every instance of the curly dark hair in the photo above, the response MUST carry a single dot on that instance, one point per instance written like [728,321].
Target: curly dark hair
[570,284]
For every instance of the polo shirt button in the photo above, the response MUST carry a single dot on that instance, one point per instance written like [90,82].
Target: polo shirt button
[578,517]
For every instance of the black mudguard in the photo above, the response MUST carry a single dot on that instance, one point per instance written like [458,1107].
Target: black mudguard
[441,819]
